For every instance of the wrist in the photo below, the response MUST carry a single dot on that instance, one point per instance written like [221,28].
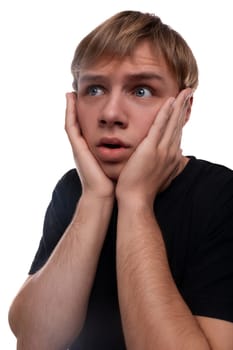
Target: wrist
[96,208]
[134,203]
[97,195]
[96,200]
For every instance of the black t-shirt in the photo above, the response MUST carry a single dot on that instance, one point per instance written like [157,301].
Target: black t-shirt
[195,214]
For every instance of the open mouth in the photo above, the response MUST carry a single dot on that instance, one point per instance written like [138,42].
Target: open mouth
[111,146]
[112,149]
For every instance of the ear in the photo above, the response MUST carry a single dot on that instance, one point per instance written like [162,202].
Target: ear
[189,109]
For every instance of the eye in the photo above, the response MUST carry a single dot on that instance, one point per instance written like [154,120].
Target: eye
[143,91]
[95,90]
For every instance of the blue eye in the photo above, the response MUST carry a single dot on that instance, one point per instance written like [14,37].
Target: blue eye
[95,90]
[143,92]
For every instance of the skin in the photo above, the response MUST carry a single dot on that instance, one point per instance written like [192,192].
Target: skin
[121,99]
[146,115]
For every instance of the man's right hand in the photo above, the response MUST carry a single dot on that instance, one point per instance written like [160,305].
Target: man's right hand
[93,179]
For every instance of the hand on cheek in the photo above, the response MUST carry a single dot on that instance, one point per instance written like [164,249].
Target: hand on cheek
[158,158]
[94,181]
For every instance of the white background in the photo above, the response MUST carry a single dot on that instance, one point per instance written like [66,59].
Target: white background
[37,42]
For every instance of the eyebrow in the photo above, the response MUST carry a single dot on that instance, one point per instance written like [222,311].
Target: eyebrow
[144,76]
[129,77]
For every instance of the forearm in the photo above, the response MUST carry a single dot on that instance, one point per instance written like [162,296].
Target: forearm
[51,307]
[154,315]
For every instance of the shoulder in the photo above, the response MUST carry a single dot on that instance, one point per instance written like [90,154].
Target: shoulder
[65,196]
[212,198]
[202,183]
[207,168]
[69,179]
[206,191]
[214,170]
[209,178]
[212,183]
[69,185]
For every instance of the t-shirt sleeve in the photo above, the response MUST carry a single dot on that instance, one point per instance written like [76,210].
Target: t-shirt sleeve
[208,287]
[58,216]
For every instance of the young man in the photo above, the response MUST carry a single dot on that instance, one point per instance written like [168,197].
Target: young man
[137,244]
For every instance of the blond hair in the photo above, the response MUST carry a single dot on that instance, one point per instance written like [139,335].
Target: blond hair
[118,36]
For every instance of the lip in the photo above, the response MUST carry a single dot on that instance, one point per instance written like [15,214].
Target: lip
[112,149]
[105,141]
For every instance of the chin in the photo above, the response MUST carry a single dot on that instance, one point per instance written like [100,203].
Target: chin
[112,171]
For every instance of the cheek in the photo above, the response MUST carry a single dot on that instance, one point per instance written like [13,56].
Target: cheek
[83,120]
[143,124]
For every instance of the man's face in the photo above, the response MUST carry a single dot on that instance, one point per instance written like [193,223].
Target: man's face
[118,100]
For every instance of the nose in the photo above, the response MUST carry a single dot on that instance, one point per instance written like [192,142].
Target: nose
[112,113]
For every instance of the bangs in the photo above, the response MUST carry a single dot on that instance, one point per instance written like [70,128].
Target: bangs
[118,37]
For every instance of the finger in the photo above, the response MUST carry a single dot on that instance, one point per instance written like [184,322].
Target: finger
[163,117]
[71,121]
[160,123]
[175,123]
[70,115]
[184,105]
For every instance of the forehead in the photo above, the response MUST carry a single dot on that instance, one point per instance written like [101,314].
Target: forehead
[144,57]
[145,63]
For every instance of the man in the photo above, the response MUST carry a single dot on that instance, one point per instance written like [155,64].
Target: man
[137,241]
